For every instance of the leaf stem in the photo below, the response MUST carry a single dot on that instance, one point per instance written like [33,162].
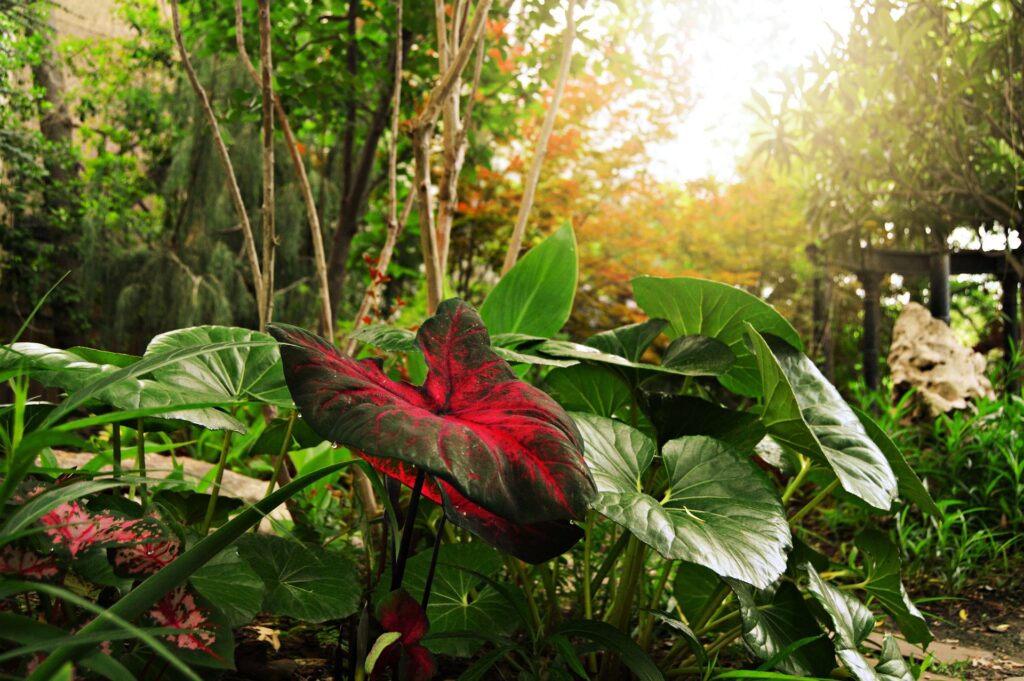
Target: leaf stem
[622,604]
[115,442]
[143,491]
[398,571]
[517,567]
[433,561]
[222,463]
[814,502]
[609,560]
[647,627]
[798,479]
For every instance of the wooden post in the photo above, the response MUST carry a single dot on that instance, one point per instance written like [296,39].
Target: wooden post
[938,285]
[872,318]
[821,329]
[1011,321]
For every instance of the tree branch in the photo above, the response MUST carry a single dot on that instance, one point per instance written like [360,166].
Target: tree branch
[516,242]
[267,97]
[225,158]
[312,214]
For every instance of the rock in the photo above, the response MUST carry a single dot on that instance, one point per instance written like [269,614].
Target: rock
[925,355]
[249,490]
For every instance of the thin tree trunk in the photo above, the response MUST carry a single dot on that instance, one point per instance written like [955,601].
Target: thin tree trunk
[312,214]
[267,96]
[516,242]
[229,170]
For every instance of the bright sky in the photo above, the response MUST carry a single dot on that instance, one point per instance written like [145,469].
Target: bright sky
[737,46]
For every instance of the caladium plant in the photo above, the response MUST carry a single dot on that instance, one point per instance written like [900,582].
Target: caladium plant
[501,455]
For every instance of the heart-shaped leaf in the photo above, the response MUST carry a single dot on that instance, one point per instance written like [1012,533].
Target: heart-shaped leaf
[236,374]
[532,542]
[459,600]
[804,412]
[708,308]
[718,511]
[882,563]
[777,618]
[301,582]
[594,389]
[678,415]
[698,356]
[630,341]
[536,295]
[497,441]
[232,584]
[70,371]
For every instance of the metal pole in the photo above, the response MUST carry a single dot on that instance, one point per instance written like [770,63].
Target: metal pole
[938,278]
[872,319]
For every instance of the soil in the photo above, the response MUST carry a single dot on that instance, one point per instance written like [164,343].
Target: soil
[979,636]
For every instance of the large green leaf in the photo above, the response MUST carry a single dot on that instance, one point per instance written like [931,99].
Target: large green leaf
[459,600]
[910,485]
[882,563]
[536,295]
[774,619]
[804,412]
[301,582]
[233,585]
[698,356]
[693,586]
[719,510]
[594,389]
[630,341]
[851,620]
[235,374]
[678,415]
[70,371]
[707,308]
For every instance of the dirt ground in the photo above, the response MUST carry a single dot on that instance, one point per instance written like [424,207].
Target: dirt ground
[978,637]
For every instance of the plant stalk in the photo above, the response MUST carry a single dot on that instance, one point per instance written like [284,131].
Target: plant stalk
[115,442]
[222,463]
[398,570]
[814,502]
[433,561]
[141,464]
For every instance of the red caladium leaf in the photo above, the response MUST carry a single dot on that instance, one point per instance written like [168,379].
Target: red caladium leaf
[502,447]
[17,562]
[406,658]
[178,609]
[532,542]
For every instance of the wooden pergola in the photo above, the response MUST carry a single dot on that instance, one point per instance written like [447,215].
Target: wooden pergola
[871,265]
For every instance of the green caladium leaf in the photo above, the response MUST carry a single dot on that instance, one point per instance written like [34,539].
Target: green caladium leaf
[698,356]
[776,618]
[851,620]
[536,295]
[232,584]
[708,308]
[804,412]
[891,665]
[232,375]
[511,356]
[301,582]
[719,510]
[678,415]
[910,486]
[882,564]
[70,371]
[594,389]
[630,341]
